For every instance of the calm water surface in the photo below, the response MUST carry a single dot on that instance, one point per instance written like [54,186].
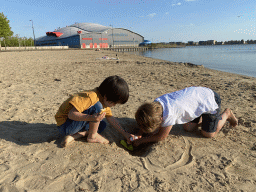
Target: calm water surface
[239,59]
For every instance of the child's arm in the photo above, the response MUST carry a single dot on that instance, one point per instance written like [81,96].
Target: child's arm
[140,133]
[77,116]
[159,136]
[114,123]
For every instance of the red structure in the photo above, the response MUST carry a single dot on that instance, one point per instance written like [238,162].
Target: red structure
[56,34]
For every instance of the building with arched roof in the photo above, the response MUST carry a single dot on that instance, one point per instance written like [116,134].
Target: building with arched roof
[90,35]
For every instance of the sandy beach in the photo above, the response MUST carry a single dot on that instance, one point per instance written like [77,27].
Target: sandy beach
[34,84]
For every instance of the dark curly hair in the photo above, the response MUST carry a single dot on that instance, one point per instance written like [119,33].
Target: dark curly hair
[115,89]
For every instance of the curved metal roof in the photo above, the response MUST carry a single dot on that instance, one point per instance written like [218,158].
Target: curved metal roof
[90,27]
[72,30]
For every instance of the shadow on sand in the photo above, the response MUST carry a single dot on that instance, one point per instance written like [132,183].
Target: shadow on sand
[23,133]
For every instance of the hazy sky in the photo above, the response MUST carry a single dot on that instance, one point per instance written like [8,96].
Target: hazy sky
[158,21]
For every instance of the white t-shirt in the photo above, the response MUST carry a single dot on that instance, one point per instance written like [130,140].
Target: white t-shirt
[183,106]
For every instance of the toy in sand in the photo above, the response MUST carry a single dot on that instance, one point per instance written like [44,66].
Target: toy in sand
[103,110]
[126,145]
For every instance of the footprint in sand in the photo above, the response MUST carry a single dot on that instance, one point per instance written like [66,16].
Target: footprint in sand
[241,168]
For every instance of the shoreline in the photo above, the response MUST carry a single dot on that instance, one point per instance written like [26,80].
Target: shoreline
[34,84]
[188,64]
[211,65]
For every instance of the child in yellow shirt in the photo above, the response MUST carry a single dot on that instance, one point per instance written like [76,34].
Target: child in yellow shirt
[82,114]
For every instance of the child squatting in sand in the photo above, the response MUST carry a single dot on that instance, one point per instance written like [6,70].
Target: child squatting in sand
[192,107]
[81,114]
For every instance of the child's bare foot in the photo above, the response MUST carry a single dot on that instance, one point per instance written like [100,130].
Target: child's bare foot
[70,138]
[97,138]
[67,140]
[231,118]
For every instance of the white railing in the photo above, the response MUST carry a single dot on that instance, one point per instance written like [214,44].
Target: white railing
[32,48]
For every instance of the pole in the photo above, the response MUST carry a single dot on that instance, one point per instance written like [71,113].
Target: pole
[33,32]
[112,36]
[132,36]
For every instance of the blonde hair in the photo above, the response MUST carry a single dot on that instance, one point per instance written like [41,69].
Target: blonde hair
[149,116]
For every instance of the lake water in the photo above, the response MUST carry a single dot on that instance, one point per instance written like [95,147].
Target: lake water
[239,59]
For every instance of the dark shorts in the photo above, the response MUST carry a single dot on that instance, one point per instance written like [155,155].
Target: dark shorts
[210,121]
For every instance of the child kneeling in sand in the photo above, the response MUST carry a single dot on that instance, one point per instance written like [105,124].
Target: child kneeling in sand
[192,106]
[82,114]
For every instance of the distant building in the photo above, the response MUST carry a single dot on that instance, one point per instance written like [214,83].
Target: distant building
[179,43]
[192,43]
[210,42]
[89,35]
[232,42]
[219,43]
[202,42]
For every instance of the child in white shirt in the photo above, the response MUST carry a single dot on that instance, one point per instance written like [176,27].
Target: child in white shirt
[192,106]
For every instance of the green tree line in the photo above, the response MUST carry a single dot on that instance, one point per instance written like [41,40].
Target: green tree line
[15,41]
[7,38]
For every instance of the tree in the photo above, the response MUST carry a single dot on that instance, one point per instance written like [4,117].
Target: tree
[5,29]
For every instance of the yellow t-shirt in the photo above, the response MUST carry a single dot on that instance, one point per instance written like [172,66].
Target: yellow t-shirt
[81,101]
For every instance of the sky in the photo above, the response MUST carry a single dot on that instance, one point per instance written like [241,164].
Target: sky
[155,20]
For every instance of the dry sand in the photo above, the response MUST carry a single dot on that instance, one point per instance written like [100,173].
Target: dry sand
[34,84]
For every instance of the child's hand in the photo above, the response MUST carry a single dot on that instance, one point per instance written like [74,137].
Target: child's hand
[99,117]
[132,138]
[136,142]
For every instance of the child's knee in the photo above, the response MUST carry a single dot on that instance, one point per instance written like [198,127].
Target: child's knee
[98,106]
[208,134]
[190,126]
[186,128]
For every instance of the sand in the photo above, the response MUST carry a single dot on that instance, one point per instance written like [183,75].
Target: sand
[34,84]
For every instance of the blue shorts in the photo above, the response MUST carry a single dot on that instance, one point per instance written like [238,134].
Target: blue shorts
[71,127]
[210,121]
